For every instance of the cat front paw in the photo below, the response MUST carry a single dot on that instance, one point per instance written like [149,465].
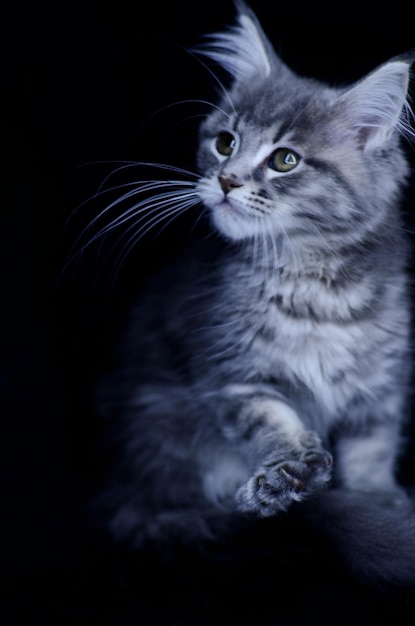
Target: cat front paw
[276,484]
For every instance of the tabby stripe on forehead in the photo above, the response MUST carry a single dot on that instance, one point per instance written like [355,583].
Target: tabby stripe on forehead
[283,130]
[235,122]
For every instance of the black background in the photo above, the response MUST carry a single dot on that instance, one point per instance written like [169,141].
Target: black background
[81,82]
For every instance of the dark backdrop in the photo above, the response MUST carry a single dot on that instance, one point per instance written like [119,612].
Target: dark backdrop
[81,82]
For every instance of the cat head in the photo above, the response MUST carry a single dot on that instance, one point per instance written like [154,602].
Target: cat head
[287,156]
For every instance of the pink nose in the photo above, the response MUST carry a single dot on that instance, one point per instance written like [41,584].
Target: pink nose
[228,183]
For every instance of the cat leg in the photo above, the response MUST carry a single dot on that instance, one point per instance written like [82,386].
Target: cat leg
[285,461]
[173,474]
[188,457]
[366,461]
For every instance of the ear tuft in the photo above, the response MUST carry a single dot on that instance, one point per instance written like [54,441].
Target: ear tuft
[378,105]
[243,50]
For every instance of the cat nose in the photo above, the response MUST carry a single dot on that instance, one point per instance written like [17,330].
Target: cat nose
[228,183]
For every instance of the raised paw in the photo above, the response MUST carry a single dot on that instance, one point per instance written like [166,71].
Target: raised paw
[278,483]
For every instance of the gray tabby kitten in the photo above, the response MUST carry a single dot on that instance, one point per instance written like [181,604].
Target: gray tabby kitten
[276,369]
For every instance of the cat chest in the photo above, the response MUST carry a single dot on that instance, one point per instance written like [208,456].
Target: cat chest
[322,356]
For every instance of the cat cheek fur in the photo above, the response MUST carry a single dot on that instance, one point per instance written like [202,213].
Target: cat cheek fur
[270,358]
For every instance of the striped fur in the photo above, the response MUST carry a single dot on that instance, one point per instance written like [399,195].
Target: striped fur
[275,367]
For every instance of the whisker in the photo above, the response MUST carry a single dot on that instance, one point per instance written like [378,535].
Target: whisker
[139,208]
[195,53]
[170,213]
[127,165]
[276,257]
[266,257]
[178,103]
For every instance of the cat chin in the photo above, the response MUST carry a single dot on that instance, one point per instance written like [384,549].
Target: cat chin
[230,223]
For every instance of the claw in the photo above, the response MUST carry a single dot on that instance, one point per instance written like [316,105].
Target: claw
[296,482]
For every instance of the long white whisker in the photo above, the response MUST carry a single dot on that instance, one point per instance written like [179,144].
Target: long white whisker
[195,53]
[266,258]
[102,190]
[167,202]
[140,207]
[275,255]
[254,258]
[181,102]
[133,211]
[171,212]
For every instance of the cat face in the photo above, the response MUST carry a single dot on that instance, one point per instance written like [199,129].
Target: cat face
[286,157]
[243,168]
[281,173]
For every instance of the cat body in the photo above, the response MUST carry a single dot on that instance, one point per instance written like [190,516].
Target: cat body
[270,365]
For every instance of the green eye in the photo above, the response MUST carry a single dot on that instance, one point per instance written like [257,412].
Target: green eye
[225,143]
[283,160]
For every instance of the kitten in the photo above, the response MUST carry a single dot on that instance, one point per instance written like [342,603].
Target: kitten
[271,365]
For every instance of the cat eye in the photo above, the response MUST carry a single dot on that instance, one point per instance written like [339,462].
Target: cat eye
[225,143]
[283,160]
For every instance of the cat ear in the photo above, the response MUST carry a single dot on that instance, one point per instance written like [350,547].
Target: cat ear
[243,50]
[377,105]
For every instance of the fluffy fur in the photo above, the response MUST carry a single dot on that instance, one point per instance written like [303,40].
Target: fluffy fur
[268,370]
